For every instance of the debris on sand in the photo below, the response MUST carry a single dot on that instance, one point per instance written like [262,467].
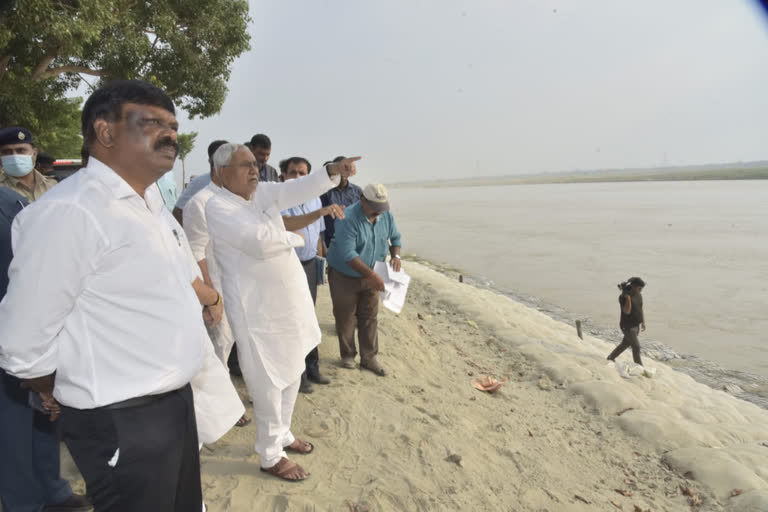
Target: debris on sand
[488,384]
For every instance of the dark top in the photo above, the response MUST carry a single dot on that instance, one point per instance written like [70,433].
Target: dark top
[634,318]
[342,197]
[11,203]
[268,173]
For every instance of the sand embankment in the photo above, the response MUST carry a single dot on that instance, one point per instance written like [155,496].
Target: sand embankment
[566,433]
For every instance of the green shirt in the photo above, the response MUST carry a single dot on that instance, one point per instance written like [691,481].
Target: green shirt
[356,236]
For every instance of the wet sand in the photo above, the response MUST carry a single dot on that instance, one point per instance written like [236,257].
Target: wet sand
[565,433]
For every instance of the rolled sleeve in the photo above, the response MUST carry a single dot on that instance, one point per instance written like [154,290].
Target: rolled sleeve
[56,249]
[394,234]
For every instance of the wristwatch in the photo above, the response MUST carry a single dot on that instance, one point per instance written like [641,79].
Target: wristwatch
[396,256]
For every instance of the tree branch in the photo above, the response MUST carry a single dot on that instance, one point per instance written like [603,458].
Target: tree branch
[149,53]
[69,69]
[4,60]
[39,70]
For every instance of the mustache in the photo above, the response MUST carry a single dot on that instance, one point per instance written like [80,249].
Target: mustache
[167,142]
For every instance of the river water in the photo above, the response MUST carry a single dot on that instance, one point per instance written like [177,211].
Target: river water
[701,247]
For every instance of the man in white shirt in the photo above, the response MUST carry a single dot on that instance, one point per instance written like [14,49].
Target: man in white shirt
[103,298]
[307,218]
[265,293]
[196,184]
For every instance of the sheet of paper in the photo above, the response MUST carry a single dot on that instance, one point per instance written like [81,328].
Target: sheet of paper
[395,286]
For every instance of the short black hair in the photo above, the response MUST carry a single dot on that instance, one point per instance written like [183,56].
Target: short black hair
[294,160]
[636,281]
[107,102]
[213,146]
[45,158]
[261,141]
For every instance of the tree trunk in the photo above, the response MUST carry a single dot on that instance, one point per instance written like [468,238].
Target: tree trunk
[183,176]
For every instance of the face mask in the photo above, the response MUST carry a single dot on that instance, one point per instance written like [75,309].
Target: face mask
[17,165]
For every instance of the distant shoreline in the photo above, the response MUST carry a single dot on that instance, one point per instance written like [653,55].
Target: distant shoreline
[601,177]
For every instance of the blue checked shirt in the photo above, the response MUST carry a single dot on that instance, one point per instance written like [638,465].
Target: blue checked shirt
[312,232]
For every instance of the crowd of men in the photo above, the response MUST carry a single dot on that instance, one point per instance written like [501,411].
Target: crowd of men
[118,316]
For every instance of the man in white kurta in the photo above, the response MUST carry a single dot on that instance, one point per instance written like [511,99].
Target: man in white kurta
[265,293]
[196,228]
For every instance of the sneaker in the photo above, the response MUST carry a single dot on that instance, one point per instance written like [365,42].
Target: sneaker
[305,386]
[348,362]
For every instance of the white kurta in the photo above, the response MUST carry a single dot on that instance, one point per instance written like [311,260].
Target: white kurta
[266,296]
[217,404]
[196,228]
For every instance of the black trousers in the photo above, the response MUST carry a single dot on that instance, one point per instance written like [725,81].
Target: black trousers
[630,340]
[157,467]
[312,361]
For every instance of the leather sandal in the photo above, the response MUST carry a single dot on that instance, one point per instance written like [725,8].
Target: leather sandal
[286,470]
[300,446]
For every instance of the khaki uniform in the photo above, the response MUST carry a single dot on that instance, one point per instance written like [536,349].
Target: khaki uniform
[42,185]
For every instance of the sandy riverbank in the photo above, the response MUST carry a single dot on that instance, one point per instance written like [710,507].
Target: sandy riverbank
[565,433]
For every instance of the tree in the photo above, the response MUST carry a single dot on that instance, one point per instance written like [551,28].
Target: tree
[47,47]
[186,144]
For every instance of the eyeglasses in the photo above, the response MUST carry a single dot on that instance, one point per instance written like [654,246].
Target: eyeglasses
[245,165]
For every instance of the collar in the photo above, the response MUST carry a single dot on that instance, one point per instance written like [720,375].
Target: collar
[15,182]
[121,189]
[232,197]
[213,187]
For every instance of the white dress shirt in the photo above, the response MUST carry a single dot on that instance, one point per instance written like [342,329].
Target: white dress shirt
[196,228]
[194,186]
[266,296]
[100,293]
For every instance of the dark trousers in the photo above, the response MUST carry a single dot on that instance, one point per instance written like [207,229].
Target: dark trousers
[157,468]
[29,453]
[355,306]
[312,360]
[630,340]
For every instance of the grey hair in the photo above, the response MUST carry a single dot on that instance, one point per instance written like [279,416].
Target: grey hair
[223,156]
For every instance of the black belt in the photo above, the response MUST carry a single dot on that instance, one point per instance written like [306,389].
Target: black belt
[138,401]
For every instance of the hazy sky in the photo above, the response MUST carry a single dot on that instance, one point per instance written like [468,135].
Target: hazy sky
[444,89]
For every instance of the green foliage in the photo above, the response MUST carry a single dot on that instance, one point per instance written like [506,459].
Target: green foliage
[42,108]
[186,47]
[186,143]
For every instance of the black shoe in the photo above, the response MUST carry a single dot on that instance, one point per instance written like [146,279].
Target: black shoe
[234,364]
[305,386]
[317,378]
[75,503]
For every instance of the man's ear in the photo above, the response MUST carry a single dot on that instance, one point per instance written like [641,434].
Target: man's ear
[103,130]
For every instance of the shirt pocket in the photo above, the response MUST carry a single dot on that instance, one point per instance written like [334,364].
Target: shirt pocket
[382,246]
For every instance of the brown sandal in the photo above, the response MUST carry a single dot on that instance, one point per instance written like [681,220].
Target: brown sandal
[243,421]
[286,470]
[300,446]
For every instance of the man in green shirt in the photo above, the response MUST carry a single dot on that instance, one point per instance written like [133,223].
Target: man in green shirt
[365,235]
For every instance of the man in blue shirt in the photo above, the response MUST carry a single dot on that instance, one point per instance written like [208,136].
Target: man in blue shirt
[307,219]
[345,194]
[362,238]
[29,464]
